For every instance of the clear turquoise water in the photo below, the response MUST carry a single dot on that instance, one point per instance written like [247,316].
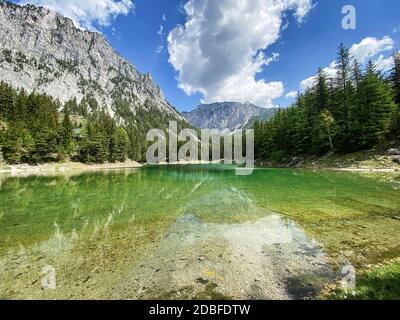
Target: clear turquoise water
[96,228]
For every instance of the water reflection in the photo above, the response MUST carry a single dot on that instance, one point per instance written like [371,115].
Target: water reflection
[189,232]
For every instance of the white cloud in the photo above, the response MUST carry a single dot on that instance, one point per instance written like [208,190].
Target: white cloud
[219,50]
[308,83]
[303,7]
[159,49]
[87,13]
[384,64]
[370,47]
[291,95]
[164,18]
[160,31]
[273,58]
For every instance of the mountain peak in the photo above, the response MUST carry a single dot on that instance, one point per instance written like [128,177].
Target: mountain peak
[227,116]
[45,52]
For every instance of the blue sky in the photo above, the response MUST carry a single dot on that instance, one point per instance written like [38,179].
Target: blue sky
[215,60]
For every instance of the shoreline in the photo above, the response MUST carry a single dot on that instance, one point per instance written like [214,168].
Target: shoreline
[359,166]
[362,162]
[63,168]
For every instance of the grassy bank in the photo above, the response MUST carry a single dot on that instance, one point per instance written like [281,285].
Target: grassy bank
[358,161]
[379,283]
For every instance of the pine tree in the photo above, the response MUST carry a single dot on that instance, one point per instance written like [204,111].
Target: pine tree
[71,107]
[345,97]
[7,101]
[83,108]
[121,141]
[395,77]
[66,132]
[12,145]
[322,92]
[356,73]
[395,80]
[343,63]
[93,147]
[376,110]
[46,146]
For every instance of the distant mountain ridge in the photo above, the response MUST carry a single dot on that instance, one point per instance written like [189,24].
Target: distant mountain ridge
[228,116]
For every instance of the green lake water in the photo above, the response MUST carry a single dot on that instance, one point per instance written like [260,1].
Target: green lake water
[192,232]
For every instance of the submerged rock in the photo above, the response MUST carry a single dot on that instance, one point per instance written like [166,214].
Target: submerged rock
[257,259]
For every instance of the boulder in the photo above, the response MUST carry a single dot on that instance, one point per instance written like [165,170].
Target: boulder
[394,152]
[296,163]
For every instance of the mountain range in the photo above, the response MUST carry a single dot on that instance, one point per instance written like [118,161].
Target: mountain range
[228,116]
[43,51]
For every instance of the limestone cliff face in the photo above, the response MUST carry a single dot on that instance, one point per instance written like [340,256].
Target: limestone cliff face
[43,51]
[228,116]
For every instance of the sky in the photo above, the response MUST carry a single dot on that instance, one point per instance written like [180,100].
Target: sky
[260,51]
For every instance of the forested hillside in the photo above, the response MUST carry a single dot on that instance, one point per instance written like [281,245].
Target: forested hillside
[356,110]
[33,130]
[88,103]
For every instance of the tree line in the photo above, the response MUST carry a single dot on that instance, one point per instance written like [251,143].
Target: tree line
[34,130]
[358,109]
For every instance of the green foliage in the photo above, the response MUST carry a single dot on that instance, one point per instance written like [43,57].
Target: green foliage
[93,146]
[373,118]
[7,55]
[395,80]
[119,145]
[66,133]
[46,146]
[33,130]
[354,111]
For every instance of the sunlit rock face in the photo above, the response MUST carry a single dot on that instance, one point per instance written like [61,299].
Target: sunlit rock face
[228,117]
[43,51]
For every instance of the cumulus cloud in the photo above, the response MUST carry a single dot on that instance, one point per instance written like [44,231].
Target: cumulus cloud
[384,64]
[308,83]
[370,47]
[291,95]
[220,49]
[87,13]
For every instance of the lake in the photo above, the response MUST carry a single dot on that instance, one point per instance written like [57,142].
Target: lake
[192,232]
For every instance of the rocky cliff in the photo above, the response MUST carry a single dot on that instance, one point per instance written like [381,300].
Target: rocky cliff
[43,51]
[227,116]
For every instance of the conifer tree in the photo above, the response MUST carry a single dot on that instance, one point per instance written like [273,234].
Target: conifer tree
[376,110]
[356,73]
[395,77]
[66,132]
